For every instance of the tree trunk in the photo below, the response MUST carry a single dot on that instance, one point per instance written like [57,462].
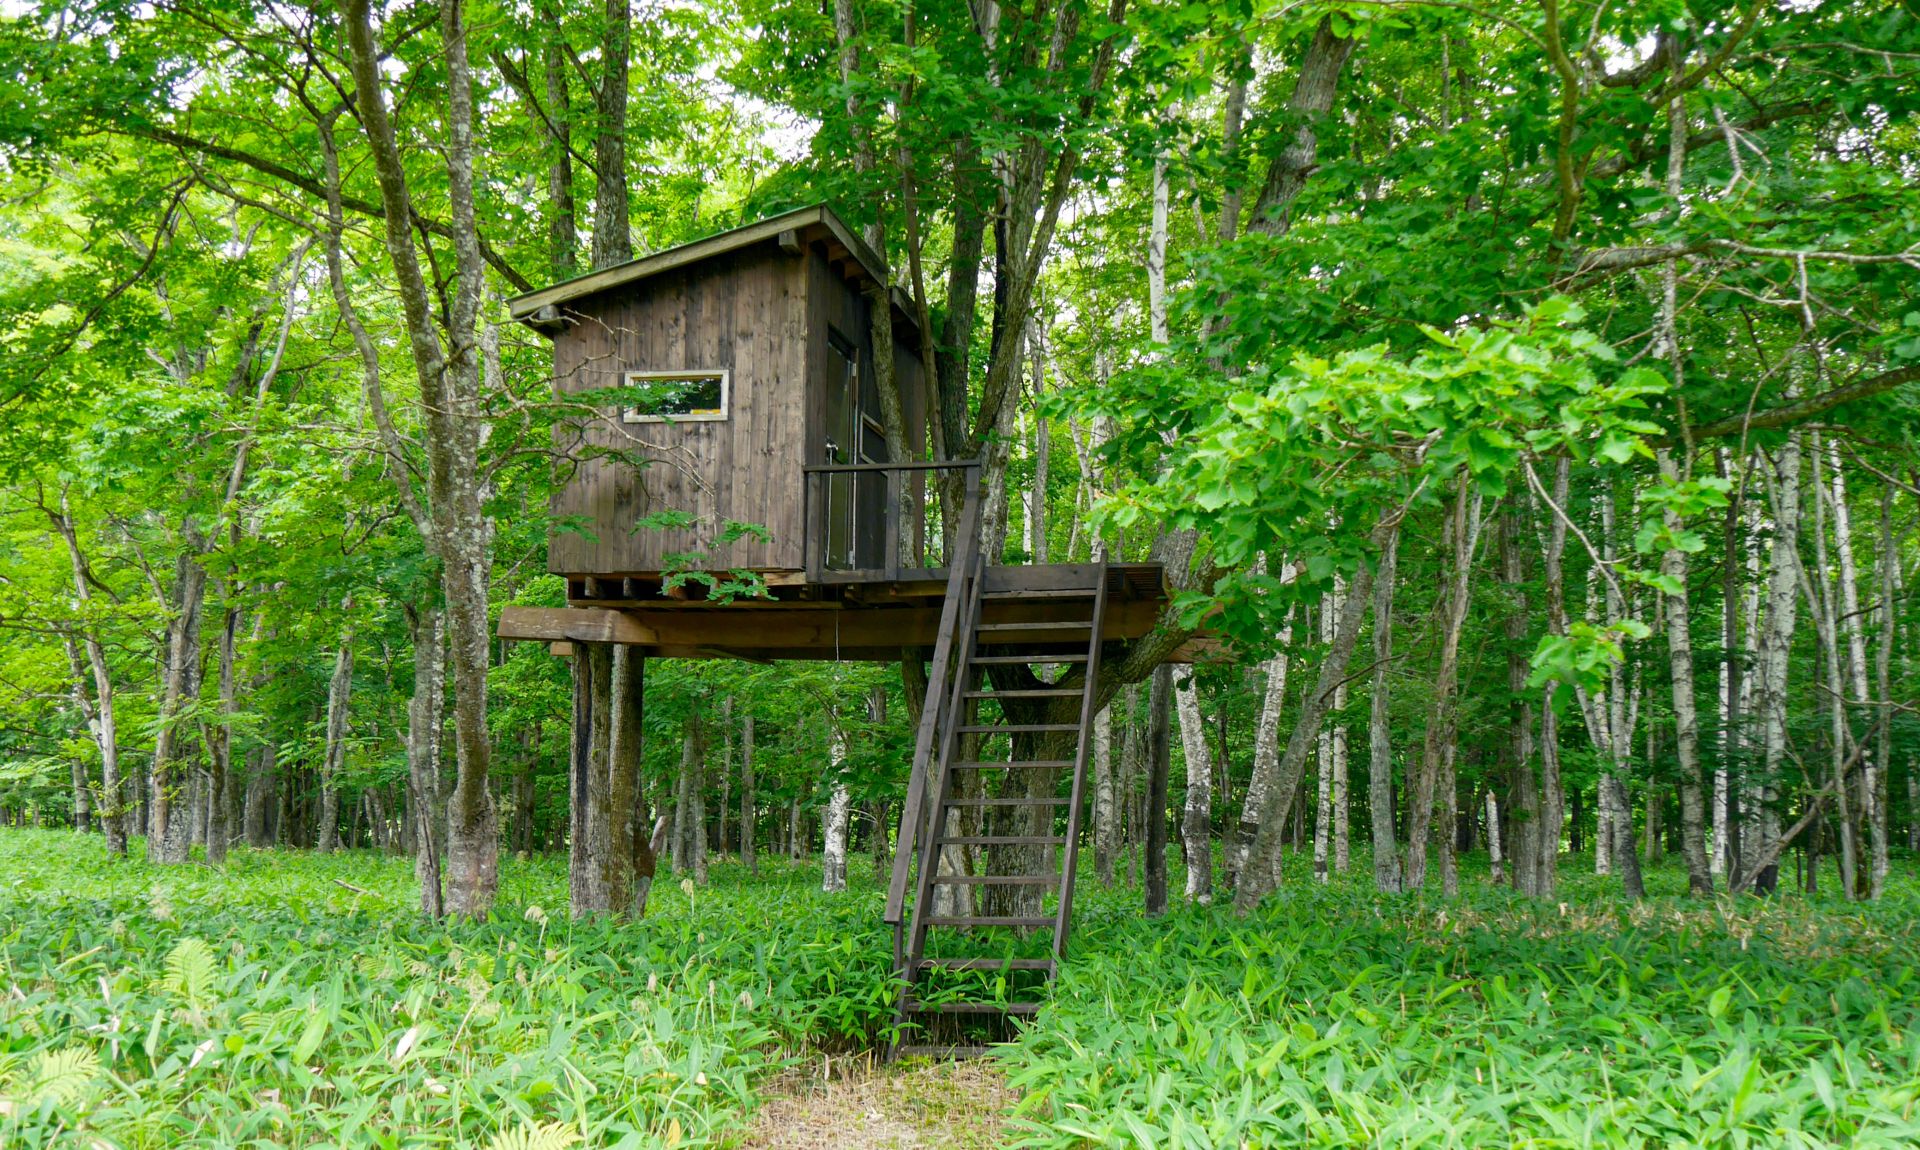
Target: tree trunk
[1622,708]
[1493,836]
[449,375]
[1527,842]
[77,689]
[167,839]
[1106,820]
[219,740]
[1868,822]
[113,817]
[646,860]
[1888,570]
[1776,647]
[1386,851]
[1342,838]
[833,854]
[1733,688]
[1437,745]
[1314,87]
[562,236]
[1196,816]
[424,713]
[260,797]
[591,842]
[612,233]
[625,811]
[1266,754]
[1159,747]
[878,844]
[749,815]
[1686,720]
[1260,826]
[334,761]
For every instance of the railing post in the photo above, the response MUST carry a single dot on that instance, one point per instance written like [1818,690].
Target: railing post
[893,522]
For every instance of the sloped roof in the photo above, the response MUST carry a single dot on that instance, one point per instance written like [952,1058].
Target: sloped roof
[528,308]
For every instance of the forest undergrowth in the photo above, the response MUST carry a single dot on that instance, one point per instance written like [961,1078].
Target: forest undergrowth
[298,1000]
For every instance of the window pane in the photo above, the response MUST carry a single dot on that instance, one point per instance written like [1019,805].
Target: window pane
[675,396]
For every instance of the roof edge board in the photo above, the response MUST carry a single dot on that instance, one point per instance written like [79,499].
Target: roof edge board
[525,307]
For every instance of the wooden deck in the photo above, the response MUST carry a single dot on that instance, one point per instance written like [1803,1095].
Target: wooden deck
[852,618]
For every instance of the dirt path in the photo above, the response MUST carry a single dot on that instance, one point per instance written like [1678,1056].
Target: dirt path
[861,1106]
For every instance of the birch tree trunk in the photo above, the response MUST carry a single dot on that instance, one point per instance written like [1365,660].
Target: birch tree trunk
[1869,834]
[113,817]
[1196,817]
[1822,604]
[1776,647]
[833,869]
[1493,836]
[1686,719]
[1622,708]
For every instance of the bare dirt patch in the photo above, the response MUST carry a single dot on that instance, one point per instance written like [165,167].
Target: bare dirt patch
[856,1104]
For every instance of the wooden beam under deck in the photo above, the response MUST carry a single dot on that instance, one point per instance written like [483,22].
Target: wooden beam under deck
[821,631]
[860,619]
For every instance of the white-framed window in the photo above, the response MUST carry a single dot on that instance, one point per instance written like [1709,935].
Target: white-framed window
[677,396]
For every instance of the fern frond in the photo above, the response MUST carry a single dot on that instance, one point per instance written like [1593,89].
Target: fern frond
[189,972]
[64,1076]
[544,1136]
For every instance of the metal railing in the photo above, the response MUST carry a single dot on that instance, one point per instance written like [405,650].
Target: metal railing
[867,521]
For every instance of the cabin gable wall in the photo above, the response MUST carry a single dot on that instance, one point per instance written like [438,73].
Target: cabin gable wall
[745,312]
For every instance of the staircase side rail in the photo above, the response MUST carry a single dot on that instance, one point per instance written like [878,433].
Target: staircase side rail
[935,714]
[1089,690]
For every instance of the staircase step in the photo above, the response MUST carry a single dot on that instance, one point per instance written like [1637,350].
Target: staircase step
[990,920]
[1002,660]
[1004,840]
[1057,625]
[1016,728]
[987,963]
[915,1007]
[1048,593]
[1043,693]
[1008,802]
[922,1051]
[996,880]
[1015,763]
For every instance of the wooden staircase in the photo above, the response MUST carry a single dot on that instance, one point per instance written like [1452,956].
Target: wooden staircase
[978,768]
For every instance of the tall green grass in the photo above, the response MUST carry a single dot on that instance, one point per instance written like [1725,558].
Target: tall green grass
[1337,1018]
[298,1000]
[290,1000]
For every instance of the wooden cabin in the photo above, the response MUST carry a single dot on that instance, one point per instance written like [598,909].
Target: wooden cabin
[748,357]
[731,381]
[739,388]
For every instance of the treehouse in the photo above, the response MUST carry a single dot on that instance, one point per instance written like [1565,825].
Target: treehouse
[725,417]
